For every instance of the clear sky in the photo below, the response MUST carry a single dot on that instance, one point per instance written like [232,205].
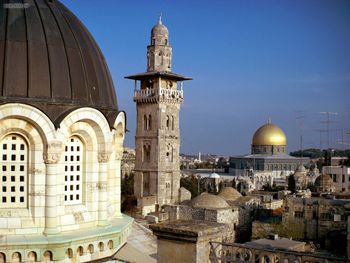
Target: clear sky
[250,60]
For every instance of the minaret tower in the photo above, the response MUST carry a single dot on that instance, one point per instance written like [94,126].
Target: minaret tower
[158,95]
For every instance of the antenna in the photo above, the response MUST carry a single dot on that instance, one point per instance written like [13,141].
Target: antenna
[327,122]
[300,118]
[341,141]
[320,131]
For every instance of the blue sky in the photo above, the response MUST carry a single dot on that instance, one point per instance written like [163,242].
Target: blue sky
[250,60]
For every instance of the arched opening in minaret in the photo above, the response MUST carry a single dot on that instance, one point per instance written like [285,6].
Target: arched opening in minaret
[150,122]
[145,122]
[167,122]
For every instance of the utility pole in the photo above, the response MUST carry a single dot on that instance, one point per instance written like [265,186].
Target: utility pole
[328,122]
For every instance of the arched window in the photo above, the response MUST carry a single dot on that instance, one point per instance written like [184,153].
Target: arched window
[2,258]
[14,176]
[31,256]
[101,246]
[146,152]
[73,171]
[16,257]
[91,249]
[69,253]
[167,122]
[110,244]
[169,153]
[145,122]
[80,251]
[149,122]
[48,255]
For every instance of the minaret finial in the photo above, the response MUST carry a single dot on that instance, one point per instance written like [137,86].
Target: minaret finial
[160,18]
[269,120]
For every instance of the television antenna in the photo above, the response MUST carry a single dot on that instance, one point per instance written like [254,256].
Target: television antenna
[328,122]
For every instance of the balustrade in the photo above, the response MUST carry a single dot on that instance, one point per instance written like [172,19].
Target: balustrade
[158,93]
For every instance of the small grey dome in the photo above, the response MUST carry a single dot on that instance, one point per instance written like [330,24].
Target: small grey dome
[229,194]
[206,200]
[300,169]
[214,176]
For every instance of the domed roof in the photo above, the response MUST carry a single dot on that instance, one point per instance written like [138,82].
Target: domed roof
[206,200]
[269,134]
[214,176]
[159,29]
[229,194]
[49,60]
[300,169]
[324,180]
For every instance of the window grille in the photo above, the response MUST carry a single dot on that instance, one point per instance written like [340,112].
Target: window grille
[73,172]
[14,176]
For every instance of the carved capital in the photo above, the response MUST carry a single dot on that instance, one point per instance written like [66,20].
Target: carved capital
[103,157]
[119,154]
[53,152]
[102,186]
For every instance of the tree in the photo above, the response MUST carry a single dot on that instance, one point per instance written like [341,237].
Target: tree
[291,183]
[234,183]
[289,229]
[127,186]
[192,184]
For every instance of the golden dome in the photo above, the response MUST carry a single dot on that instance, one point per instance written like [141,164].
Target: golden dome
[269,134]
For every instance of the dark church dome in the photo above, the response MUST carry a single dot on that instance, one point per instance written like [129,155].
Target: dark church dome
[49,60]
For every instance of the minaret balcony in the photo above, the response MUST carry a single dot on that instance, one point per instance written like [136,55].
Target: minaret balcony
[158,95]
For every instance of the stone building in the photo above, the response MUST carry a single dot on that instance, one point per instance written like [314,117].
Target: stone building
[228,207]
[301,178]
[61,140]
[268,161]
[324,184]
[158,99]
[321,220]
[340,175]
[128,162]
[206,207]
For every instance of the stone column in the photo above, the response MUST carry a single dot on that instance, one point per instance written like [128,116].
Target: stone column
[103,158]
[51,159]
[117,181]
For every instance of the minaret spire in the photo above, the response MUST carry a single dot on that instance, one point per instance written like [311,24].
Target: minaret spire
[160,19]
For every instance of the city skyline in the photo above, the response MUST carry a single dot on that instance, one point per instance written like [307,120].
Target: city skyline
[249,60]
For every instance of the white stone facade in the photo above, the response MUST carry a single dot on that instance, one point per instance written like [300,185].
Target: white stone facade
[340,176]
[70,190]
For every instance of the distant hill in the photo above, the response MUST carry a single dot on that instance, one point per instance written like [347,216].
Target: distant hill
[317,153]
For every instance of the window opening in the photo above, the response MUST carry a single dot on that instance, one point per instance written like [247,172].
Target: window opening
[74,160]
[14,163]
